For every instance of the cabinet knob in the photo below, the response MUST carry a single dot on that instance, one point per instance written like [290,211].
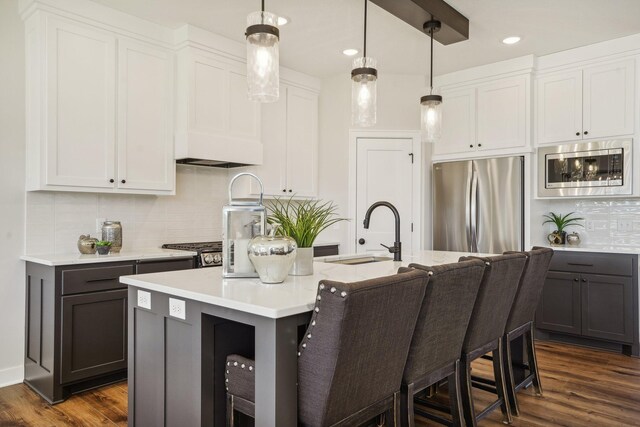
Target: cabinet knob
[284,191]
[361,241]
[290,190]
[470,145]
[577,133]
[586,132]
[124,181]
[575,280]
[584,280]
[112,180]
[479,145]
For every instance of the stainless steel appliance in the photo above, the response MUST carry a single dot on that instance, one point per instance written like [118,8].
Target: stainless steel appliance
[209,253]
[478,205]
[598,168]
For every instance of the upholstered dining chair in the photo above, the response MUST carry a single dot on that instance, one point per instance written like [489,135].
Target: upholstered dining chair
[521,322]
[436,345]
[352,356]
[486,329]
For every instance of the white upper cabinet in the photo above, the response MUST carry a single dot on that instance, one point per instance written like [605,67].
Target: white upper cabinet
[593,102]
[290,137]
[487,118]
[145,138]
[99,110]
[79,109]
[215,119]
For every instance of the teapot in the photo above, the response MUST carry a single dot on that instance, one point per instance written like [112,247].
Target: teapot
[87,244]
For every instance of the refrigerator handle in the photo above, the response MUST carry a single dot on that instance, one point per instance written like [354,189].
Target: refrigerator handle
[474,211]
[468,214]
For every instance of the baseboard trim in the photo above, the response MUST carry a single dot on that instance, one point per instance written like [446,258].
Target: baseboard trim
[11,376]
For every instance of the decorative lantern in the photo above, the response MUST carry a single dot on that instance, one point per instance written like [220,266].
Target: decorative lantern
[242,220]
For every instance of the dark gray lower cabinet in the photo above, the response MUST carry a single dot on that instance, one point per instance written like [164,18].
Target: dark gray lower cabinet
[580,305]
[76,324]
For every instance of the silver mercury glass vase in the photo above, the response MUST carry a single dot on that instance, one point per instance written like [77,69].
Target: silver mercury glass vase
[272,256]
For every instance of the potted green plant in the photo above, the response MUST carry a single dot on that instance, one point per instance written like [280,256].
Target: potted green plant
[103,247]
[303,221]
[561,222]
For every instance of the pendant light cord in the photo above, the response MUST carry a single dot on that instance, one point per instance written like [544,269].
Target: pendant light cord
[262,14]
[364,50]
[431,65]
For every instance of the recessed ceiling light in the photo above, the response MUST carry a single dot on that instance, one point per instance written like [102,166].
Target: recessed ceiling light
[511,40]
[350,52]
[282,20]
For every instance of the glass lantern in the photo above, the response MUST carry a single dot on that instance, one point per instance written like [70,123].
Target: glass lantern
[431,117]
[263,58]
[242,220]
[364,92]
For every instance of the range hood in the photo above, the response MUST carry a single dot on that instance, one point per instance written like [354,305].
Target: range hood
[210,163]
[218,151]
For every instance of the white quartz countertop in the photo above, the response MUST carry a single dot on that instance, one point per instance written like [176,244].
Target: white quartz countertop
[53,260]
[295,295]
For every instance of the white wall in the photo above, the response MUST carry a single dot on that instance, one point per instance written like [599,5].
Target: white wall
[398,109]
[12,173]
[56,219]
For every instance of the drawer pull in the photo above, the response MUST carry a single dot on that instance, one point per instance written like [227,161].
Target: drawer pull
[582,265]
[106,279]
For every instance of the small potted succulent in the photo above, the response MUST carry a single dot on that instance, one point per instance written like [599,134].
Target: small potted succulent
[103,247]
[559,237]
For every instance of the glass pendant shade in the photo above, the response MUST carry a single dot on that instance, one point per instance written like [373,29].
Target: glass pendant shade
[431,118]
[263,58]
[364,78]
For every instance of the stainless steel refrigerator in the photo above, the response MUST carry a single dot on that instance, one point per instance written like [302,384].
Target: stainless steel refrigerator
[478,205]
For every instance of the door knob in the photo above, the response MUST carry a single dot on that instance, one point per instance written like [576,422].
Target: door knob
[361,241]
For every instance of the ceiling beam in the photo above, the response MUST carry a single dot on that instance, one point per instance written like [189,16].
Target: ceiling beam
[455,26]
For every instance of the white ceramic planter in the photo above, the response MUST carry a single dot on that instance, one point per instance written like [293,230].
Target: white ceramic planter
[303,265]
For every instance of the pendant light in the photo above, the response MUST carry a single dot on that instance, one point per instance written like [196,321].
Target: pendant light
[431,105]
[363,85]
[263,59]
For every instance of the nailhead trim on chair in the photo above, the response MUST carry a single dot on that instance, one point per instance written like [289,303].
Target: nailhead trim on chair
[316,310]
[234,364]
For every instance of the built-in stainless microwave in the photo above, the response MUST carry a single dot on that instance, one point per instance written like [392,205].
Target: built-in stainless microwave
[599,168]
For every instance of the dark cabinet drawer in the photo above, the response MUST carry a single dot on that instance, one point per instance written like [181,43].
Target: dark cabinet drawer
[157,266]
[593,263]
[326,250]
[92,279]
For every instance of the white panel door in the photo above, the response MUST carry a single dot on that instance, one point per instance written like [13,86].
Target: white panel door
[384,173]
[559,107]
[80,137]
[502,109]
[145,118]
[302,143]
[458,122]
[609,100]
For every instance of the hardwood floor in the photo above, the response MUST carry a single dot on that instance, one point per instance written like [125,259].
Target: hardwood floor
[581,387]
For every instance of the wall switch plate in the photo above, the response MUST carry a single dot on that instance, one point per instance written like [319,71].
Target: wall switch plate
[144,299]
[99,222]
[625,225]
[589,225]
[177,308]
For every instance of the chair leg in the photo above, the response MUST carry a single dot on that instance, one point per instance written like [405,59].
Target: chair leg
[533,361]
[509,381]
[230,414]
[466,393]
[498,371]
[454,397]
[397,411]
[407,417]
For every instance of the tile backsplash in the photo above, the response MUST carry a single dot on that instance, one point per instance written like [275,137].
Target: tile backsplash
[54,220]
[606,222]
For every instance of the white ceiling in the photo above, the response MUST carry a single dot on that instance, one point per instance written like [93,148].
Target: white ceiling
[320,29]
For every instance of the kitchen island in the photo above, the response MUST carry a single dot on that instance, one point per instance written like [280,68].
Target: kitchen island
[183,324]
